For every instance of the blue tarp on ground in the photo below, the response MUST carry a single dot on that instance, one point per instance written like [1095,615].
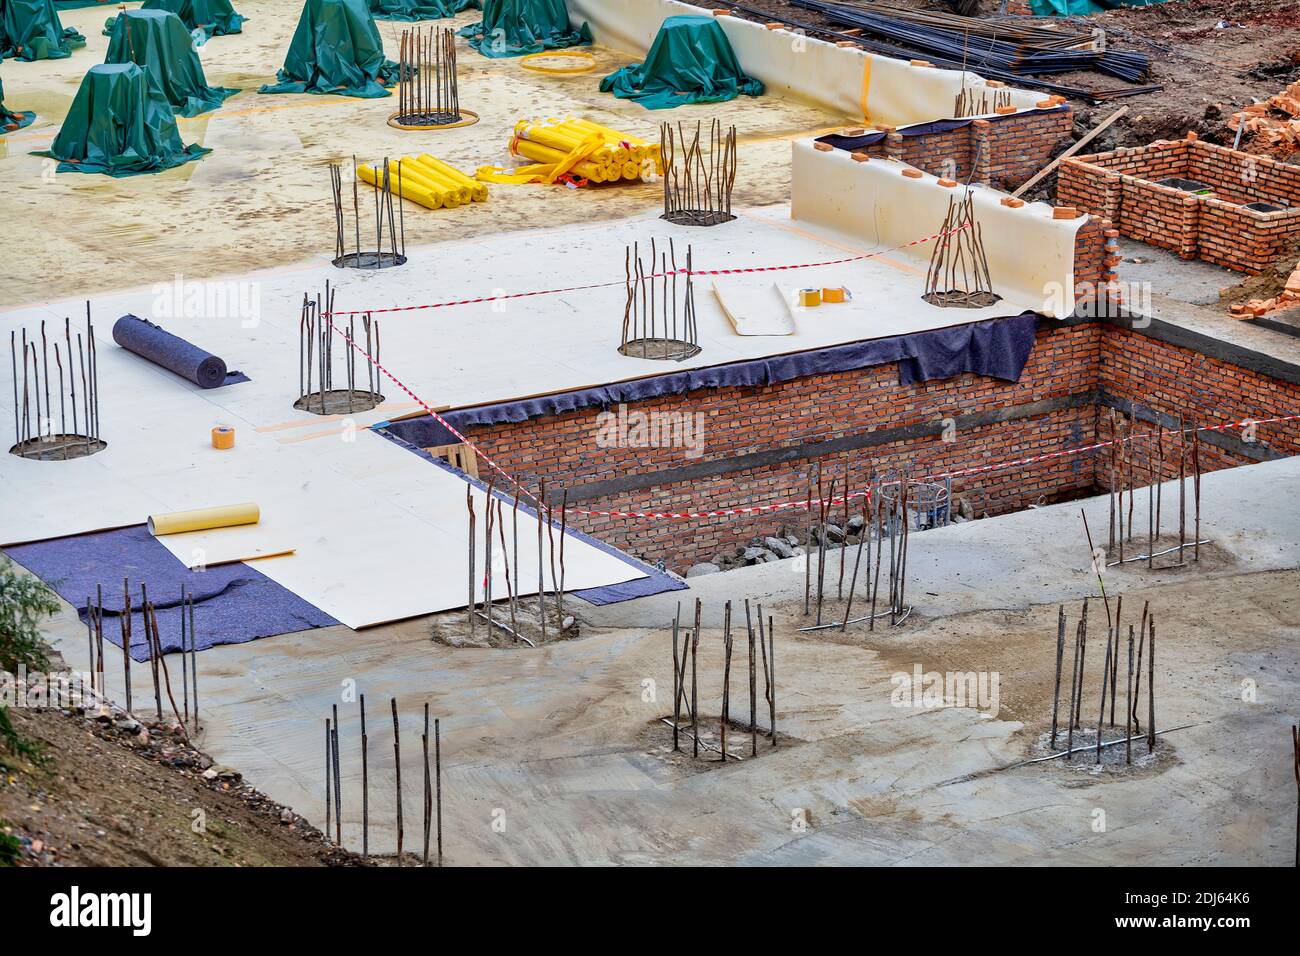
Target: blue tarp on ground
[233,603]
[998,348]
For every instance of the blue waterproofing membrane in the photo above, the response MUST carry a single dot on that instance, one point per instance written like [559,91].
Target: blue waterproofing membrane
[854,143]
[654,582]
[998,348]
[233,604]
[172,352]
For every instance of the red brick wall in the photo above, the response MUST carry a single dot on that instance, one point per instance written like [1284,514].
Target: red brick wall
[1067,361]
[1176,381]
[1120,185]
[1014,148]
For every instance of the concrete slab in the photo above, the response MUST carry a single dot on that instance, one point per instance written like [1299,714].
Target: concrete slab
[554,755]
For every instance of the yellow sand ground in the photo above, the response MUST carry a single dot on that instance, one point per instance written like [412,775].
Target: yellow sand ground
[261,199]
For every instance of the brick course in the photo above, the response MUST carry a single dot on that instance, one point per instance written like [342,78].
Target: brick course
[1076,366]
[1120,185]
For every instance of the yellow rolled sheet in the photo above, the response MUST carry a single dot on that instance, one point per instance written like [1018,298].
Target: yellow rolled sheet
[452,193]
[204,519]
[478,190]
[545,154]
[409,190]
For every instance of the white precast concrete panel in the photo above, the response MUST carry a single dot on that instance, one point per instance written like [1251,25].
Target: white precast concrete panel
[1030,254]
[847,81]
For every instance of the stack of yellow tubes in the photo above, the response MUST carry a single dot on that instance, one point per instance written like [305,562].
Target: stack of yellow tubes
[428,181]
[578,147]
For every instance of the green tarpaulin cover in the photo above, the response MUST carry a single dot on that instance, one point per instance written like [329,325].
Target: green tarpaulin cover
[31,30]
[336,49]
[216,18]
[1082,8]
[157,41]
[119,124]
[518,27]
[10,120]
[418,9]
[691,61]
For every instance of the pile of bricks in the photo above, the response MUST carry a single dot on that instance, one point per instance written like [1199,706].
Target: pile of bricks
[1272,127]
[1288,298]
[1214,225]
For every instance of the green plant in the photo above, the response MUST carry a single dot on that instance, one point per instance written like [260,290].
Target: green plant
[25,602]
[10,848]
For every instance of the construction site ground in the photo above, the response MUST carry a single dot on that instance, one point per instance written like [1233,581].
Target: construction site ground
[556,754]
[1211,56]
[267,178]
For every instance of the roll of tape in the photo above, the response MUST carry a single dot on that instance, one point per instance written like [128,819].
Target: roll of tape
[223,436]
[204,519]
[810,298]
[833,296]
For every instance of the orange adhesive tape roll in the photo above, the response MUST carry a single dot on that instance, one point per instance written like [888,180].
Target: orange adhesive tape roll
[833,296]
[810,298]
[223,437]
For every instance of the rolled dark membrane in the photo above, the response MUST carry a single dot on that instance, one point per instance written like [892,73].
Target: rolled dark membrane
[170,351]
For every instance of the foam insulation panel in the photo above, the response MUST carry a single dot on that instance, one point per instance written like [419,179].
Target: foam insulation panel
[846,81]
[1030,254]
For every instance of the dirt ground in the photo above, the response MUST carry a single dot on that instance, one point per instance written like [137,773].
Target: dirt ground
[97,797]
[1207,71]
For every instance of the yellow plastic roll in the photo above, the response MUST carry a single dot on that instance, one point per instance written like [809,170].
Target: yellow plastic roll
[587,148]
[204,519]
[413,177]
[549,136]
[433,180]
[479,190]
[631,171]
[544,154]
[612,134]
[409,190]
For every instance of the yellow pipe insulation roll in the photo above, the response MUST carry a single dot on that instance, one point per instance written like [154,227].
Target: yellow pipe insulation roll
[477,189]
[204,519]
[453,194]
[544,154]
[410,190]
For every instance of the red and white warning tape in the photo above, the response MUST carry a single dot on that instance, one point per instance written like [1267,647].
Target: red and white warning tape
[504,296]
[751,509]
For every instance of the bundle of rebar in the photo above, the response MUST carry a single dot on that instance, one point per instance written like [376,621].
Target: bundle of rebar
[1139,461]
[659,315]
[431,802]
[981,43]
[94,613]
[316,333]
[688,653]
[886,506]
[389,224]
[698,185]
[958,275]
[35,434]
[1138,643]
[984,69]
[968,103]
[427,91]
[480,604]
